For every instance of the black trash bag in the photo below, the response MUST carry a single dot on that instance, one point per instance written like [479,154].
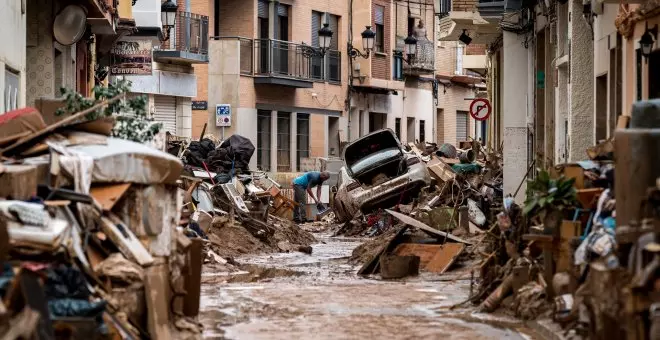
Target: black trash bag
[65,281]
[75,308]
[240,151]
[198,152]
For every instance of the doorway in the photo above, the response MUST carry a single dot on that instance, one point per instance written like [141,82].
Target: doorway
[601,108]
[333,137]
[410,135]
[654,75]
[377,121]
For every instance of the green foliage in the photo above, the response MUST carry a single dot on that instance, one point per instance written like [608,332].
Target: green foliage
[545,193]
[132,122]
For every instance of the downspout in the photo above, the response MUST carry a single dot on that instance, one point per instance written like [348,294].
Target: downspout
[349,88]
[216,19]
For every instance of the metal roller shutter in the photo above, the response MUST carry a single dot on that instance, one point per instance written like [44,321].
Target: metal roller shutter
[461,126]
[316,26]
[166,112]
[262,9]
[283,10]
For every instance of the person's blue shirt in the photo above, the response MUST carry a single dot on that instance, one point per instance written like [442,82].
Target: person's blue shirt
[308,179]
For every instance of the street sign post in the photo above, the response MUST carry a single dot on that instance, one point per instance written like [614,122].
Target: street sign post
[223,115]
[480,109]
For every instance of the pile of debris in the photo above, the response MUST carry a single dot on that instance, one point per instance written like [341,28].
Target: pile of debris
[89,243]
[449,218]
[237,210]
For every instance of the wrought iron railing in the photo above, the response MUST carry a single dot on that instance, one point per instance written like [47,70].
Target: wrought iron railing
[190,34]
[424,58]
[286,59]
[247,55]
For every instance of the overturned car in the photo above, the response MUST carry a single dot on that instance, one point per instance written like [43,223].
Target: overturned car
[377,173]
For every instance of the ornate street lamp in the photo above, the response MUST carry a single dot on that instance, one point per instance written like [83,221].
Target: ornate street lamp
[168,16]
[325,38]
[410,47]
[368,41]
[648,40]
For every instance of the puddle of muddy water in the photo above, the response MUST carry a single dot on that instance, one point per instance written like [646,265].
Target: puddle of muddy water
[325,299]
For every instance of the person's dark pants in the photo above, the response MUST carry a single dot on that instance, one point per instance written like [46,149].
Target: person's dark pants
[300,196]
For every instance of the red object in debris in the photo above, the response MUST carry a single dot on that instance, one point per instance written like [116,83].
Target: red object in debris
[20,121]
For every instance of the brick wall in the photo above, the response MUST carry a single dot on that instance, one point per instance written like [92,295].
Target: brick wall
[381,63]
[464,5]
[475,49]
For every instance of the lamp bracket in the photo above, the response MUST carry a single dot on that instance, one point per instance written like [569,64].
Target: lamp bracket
[354,52]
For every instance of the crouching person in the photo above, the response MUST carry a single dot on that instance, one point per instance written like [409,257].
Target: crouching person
[302,186]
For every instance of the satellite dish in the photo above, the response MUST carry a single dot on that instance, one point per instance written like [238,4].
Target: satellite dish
[70,25]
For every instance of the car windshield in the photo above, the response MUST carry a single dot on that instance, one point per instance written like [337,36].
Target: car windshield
[375,159]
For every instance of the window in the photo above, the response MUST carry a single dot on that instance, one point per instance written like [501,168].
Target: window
[333,56]
[302,137]
[411,26]
[263,139]
[379,23]
[459,60]
[284,141]
[316,61]
[461,126]
[397,128]
[397,73]
[11,91]
[422,131]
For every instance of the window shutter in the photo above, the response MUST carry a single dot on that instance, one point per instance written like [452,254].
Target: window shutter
[262,9]
[333,20]
[379,15]
[283,10]
[316,26]
[166,112]
[461,126]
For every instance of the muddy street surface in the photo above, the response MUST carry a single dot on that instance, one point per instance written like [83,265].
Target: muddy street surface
[319,296]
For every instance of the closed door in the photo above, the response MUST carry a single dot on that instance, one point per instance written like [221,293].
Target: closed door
[166,112]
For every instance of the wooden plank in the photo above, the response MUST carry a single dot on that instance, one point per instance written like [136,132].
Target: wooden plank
[108,195]
[396,267]
[125,240]
[157,287]
[417,224]
[575,171]
[372,266]
[435,258]
[440,170]
[567,231]
[193,281]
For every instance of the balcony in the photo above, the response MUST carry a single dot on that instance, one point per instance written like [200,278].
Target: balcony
[424,60]
[497,8]
[476,63]
[285,63]
[482,30]
[188,41]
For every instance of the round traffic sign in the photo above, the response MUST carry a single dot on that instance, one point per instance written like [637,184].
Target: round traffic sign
[480,109]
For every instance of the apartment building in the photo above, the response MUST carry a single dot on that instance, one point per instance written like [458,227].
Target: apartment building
[282,90]
[393,85]
[12,60]
[269,75]
[167,76]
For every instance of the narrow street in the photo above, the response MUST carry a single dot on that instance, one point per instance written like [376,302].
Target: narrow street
[319,296]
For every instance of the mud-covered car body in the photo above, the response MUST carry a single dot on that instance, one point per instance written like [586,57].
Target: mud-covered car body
[377,173]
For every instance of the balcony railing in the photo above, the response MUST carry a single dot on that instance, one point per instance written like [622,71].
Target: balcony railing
[190,34]
[277,58]
[424,59]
